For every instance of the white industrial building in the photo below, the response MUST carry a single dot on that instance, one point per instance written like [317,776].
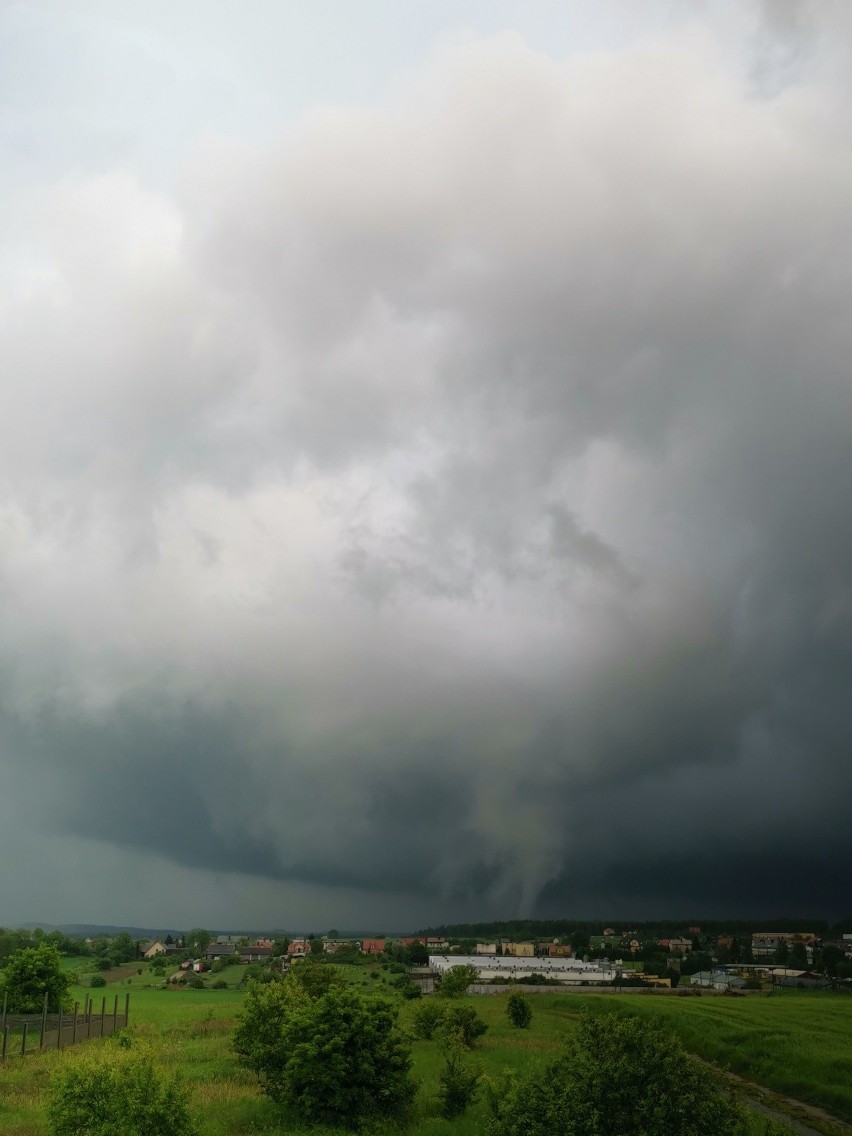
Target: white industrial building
[569,971]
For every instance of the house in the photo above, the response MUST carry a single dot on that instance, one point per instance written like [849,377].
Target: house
[764,944]
[299,948]
[608,932]
[486,948]
[559,950]
[519,950]
[714,980]
[255,954]
[220,951]
[801,979]
[436,945]
[373,946]
[684,946]
[153,947]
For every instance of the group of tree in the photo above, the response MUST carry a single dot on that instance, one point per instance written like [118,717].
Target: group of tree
[519,929]
[13,940]
[618,1076]
[29,975]
[409,954]
[327,1052]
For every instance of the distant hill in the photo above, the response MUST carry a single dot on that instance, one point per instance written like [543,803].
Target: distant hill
[96,930]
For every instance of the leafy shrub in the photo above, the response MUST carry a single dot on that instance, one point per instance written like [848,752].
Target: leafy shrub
[519,1011]
[121,1095]
[458,1085]
[316,977]
[31,973]
[336,1058]
[619,1077]
[97,980]
[455,981]
[427,1018]
[412,991]
[220,984]
[464,1025]
[196,982]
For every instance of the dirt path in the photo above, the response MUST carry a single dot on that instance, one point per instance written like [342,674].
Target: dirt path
[794,1113]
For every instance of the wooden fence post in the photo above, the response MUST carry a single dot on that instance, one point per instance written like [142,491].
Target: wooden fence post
[115,1014]
[5,1041]
[103,1013]
[43,1022]
[74,1027]
[5,1003]
[24,1040]
[127,1009]
[59,1028]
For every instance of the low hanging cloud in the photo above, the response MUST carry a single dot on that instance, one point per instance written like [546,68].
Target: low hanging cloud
[449,500]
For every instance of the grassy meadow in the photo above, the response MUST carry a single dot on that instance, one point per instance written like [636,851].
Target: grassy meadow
[799,1043]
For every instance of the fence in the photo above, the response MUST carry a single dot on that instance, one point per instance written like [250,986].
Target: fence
[21,1034]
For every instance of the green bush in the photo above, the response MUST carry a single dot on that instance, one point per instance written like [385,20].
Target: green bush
[97,980]
[337,1058]
[427,1018]
[220,984]
[464,1025]
[619,1077]
[455,981]
[519,1011]
[316,977]
[30,974]
[458,1085]
[121,1095]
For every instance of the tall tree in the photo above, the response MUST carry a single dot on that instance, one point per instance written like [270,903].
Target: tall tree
[32,973]
[198,940]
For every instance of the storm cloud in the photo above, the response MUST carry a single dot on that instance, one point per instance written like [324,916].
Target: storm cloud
[440,506]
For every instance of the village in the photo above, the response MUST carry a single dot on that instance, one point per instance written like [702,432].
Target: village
[688,962]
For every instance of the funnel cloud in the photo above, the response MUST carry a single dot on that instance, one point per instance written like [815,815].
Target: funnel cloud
[426,496]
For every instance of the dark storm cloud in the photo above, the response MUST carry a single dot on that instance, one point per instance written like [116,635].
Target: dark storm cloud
[449,500]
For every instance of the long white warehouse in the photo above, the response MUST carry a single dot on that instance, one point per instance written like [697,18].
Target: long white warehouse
[567,970]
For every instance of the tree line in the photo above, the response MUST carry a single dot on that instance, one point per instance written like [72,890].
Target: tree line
[517,929]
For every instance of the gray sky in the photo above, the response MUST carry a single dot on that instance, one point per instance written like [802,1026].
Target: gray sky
[425,461]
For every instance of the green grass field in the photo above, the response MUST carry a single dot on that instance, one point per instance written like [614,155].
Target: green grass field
[798,1043]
